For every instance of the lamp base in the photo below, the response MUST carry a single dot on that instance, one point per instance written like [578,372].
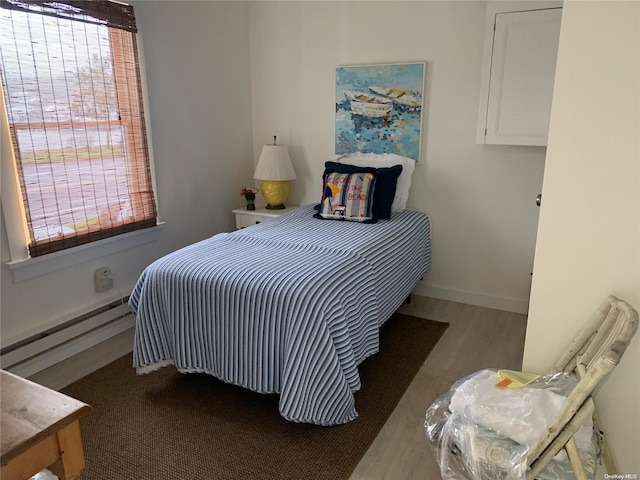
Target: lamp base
[275,192]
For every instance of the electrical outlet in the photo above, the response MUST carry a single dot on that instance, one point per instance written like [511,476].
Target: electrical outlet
[103,279]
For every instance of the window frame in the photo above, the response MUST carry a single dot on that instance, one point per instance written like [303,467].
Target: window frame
[22,265]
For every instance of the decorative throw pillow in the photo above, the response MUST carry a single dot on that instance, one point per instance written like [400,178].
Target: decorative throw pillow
[378,160]
[348,196]
[386,181]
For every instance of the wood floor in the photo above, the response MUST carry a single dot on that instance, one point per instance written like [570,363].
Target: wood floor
[476,338]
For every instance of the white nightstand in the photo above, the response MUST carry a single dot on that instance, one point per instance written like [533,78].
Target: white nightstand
[246,218]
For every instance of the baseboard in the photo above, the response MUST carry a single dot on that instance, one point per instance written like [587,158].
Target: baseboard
[74,368]
[66,350]
[473,298]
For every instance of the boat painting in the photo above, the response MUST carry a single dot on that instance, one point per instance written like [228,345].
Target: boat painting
[368,104]
[404,98]
[379,109]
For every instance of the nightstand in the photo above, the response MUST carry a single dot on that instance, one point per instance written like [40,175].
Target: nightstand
[246,218]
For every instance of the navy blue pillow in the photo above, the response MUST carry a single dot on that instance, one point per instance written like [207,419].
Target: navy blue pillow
[386,181]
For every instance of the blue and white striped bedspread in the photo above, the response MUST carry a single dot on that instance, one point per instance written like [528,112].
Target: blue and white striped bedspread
[290,306]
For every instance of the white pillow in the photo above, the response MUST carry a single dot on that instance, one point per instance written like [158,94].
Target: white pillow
[382,160]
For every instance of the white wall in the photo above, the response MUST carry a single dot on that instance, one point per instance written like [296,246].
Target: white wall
[201,84]
[481,199]
[589,233]
[197,67]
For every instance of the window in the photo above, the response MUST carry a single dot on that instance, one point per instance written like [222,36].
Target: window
[72,88]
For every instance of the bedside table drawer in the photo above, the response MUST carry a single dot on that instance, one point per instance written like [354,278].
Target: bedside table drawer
[247,219]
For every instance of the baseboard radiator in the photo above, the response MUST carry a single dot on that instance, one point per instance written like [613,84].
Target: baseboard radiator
[41,351]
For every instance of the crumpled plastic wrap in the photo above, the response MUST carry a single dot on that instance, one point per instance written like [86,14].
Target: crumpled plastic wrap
[44,475]
[482,432]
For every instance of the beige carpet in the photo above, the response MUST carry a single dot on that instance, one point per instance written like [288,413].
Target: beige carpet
[170,426]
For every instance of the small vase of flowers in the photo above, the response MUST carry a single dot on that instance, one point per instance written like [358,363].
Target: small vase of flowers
[249,195]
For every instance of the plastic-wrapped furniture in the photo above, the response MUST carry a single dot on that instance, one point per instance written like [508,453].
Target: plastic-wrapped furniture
[547,429]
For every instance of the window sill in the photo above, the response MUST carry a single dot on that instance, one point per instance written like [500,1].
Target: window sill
[28,268]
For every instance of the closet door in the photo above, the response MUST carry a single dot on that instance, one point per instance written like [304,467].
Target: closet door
[522,72]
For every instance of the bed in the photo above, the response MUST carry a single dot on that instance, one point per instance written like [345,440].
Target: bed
[291,306]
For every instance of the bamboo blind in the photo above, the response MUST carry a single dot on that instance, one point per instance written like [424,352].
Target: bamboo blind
[71,80]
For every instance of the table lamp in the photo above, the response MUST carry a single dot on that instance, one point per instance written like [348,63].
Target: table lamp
[275,170]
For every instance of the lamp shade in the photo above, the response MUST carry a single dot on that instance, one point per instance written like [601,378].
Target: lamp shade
[274,164]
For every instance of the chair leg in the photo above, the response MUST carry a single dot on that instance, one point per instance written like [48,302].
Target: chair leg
[538,460]
[575,459]
[607,458]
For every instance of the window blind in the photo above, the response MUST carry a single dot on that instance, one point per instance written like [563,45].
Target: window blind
[71,80]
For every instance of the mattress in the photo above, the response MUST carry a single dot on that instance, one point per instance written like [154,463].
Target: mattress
[291,306]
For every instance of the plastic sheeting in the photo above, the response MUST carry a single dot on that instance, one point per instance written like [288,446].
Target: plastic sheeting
[44,475]
[480,431]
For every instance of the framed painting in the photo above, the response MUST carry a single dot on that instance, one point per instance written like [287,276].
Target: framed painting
[379,109]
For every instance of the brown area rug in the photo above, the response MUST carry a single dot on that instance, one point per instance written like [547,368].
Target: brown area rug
[169,426]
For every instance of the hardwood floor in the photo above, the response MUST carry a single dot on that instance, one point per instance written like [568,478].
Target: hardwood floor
[476,338]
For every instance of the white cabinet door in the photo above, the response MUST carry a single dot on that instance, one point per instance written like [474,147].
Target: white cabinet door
[521,76]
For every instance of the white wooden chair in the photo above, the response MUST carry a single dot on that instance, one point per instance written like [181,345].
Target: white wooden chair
[591,356]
